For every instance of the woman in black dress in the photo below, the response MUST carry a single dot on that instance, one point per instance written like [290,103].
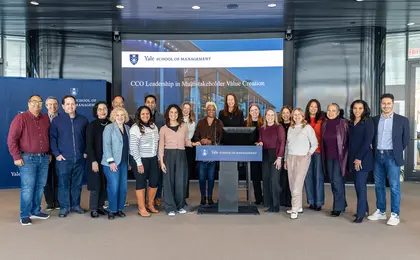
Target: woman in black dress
[254,119]
[232,116]
[96,177]
[285,195]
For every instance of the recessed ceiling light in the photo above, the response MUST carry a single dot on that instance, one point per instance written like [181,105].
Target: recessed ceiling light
[359,0]
[120,6]
[271,5]
[195,7]
[34,3]
[409,24]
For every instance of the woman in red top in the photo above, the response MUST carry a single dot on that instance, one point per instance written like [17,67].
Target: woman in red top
[314,182]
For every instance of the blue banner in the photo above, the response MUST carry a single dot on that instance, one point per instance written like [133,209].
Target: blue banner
[14,96]
[229,153]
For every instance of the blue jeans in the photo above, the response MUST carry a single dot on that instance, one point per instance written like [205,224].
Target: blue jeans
[384,166]
[116,187]
[314,182]
[33,177]
[70,176]
[206,171]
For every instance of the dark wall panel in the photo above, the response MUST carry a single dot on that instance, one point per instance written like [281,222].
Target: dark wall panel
[334,66]
[72,55]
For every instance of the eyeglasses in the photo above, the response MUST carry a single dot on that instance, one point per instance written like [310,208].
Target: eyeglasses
[36,102]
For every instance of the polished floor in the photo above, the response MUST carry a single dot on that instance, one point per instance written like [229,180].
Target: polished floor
[218,237]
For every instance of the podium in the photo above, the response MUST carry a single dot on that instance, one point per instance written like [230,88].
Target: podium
[229,156]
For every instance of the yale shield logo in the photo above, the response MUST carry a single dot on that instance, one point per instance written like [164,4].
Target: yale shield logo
[134,58]
[204,152]
[74,91]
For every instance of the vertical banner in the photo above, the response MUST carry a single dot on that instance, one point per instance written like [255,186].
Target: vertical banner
[14,96]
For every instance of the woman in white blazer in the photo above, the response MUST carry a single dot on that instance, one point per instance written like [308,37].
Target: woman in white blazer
[115,160]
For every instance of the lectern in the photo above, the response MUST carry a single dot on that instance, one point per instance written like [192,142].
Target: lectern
[229,156]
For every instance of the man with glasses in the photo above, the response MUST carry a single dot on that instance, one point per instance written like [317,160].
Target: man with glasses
[29,146]
[51,189]
[68,145]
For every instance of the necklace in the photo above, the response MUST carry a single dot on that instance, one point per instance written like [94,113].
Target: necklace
[104,124]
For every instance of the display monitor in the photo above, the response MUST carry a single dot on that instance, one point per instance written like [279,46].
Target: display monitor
[239,136]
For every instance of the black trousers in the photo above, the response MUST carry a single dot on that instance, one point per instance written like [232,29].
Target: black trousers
[271,179]
[337,185]
[151,173]
[190,152]
[256,177]
[285,194]
[175,179]
[51,188]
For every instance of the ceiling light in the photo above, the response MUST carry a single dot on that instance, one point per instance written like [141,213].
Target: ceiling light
[120,6]
[410,24]
[271,5]
[359,0]
[34,3]
[195,7]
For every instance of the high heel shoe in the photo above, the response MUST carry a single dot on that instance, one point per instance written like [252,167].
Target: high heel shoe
[210,200]
[358,220]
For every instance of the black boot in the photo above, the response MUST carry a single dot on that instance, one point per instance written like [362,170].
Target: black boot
[210,200]
[203,201]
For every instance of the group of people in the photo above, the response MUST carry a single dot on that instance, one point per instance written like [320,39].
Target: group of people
[299,147]
[309,144]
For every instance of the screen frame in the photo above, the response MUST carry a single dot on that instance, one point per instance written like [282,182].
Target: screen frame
[288,56]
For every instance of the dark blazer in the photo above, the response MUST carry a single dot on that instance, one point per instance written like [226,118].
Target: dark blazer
[342,144]
[400,136]
[360,141]
[94,146]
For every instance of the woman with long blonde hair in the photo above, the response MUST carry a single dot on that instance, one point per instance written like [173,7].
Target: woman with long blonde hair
[272,139]
[301,144]
[255,119]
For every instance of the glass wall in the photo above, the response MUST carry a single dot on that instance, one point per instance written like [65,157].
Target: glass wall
[402,80]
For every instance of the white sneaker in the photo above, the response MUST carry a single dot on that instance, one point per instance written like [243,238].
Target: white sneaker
[171,214]
[378,215]
[182,211]
[393,220]
[294,215]
[291,211]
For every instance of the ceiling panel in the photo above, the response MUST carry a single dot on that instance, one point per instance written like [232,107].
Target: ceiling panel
[214,16]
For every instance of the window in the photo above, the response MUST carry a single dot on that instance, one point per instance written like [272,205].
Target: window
[14,56]
[395,59]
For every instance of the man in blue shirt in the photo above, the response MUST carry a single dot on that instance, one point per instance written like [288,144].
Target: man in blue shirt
[392,134]
[68,145]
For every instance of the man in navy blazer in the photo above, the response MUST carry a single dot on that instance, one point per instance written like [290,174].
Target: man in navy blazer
[392,134]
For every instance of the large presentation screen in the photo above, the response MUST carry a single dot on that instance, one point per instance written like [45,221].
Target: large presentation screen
[199,71]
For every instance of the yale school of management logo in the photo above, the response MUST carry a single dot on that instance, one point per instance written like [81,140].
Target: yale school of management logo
[74,91]
[204,152]
[134,58]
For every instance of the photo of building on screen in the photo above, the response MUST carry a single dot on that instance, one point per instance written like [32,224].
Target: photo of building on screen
[177,85]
